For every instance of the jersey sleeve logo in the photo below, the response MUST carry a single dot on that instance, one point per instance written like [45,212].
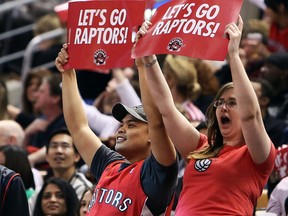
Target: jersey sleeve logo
[202,165]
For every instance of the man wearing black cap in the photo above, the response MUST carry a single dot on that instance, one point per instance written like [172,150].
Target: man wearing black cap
[139,178]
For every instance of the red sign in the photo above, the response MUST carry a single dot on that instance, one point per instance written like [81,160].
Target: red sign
[281,162]
[193,28]
[101,33]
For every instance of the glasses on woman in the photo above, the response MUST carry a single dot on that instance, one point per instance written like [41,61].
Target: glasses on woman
[230,103]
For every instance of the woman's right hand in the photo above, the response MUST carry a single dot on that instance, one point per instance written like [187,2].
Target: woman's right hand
[62,58]
[235,32]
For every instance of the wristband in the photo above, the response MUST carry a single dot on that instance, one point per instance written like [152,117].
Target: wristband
[150,64]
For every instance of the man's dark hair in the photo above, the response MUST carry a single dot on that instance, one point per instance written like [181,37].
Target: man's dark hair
[62,130]
[54,81]
[273,4]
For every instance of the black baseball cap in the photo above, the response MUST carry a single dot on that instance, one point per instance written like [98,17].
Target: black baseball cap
[119,111]
[278,59]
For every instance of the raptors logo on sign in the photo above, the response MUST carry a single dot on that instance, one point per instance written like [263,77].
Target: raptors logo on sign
[100,57]
[175,44]
[202,165]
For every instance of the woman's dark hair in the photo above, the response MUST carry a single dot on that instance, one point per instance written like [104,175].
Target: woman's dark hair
[62,130]
[69,195]
[215,138]
[17,160]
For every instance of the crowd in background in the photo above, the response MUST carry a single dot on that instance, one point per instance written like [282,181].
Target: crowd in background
[35,141]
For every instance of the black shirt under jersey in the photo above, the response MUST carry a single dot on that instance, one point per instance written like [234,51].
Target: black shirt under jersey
[157,180]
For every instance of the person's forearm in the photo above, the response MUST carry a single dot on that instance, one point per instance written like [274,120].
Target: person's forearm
[244,92]
[158,85]
[101,124]
[127,94]
[37,157]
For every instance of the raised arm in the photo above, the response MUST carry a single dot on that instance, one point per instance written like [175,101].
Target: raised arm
[161,146]
[184,136]
[256,138]
[85,140]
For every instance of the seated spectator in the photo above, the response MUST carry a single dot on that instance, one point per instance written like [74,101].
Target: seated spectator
[11,133]
[49,103]
[57,197]
[274,126]
[278,197]
[182,80]
[3,101]
[13,199]
[84,201]
[27,113]
[208,82]
[275,71]
[62,157]
[48,49]
[15,158]
[277,12]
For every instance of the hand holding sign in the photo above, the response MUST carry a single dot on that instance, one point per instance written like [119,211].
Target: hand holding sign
[190,28]
[100,33]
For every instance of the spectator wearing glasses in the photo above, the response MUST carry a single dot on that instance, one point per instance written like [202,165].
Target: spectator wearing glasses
[237,156]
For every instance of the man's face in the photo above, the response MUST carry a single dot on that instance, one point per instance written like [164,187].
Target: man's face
[43,97]
[132,140]
[44,100]
[61,154]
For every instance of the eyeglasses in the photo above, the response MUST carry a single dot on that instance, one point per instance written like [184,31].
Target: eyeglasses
[230,103]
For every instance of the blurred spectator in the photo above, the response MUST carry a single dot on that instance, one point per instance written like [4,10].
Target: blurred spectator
[3,101]
[182,80]
[277,12]
[278,197]
[27,113]
[49,103]
[57,197]
[11,133]
[254,47]
[208,82]
[13,199]
[84,201]
[16,158]
[22,16]
[275,71]
[48,49]
[274,126]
